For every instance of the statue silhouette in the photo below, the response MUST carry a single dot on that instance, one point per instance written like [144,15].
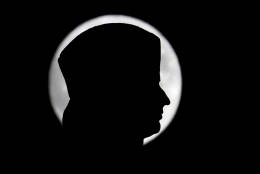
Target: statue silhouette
[112,73]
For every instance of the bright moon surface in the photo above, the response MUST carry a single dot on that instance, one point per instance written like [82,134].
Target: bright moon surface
[170,72]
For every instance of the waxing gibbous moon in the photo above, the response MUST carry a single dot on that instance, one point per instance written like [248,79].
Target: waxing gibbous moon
[170,71]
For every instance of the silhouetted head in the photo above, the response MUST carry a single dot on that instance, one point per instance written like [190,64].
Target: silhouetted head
[112,74]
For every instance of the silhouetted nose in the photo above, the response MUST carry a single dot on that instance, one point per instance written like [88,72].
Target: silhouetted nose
[165,99]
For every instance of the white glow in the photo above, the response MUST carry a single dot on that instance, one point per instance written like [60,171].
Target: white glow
[171,80]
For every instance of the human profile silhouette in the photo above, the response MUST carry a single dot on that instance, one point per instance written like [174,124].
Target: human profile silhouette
[112,73]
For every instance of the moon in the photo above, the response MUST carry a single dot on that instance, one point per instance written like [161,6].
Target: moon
[170,71]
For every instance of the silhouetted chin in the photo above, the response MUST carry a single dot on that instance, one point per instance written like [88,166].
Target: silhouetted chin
[153,128]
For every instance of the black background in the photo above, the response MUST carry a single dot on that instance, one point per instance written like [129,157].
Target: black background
[203,130]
